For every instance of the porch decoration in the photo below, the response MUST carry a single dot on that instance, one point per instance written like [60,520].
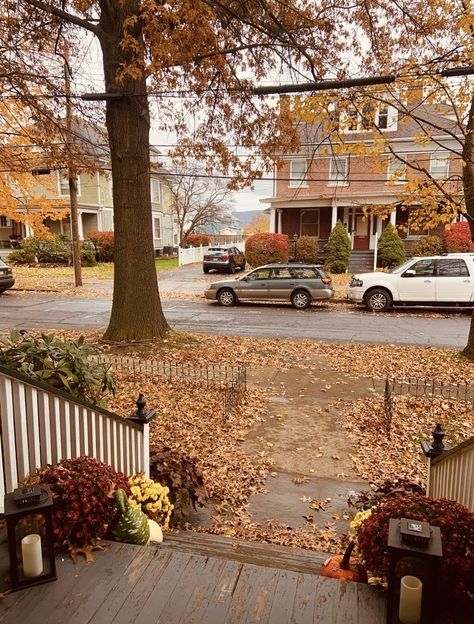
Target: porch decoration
[345,567]
[415,554]
[132,526]
[29,520]
[152,498]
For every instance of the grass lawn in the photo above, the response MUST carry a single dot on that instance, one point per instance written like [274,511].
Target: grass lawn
[101,271]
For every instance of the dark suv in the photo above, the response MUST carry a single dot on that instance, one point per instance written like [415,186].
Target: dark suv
[223,258]
[299,283]
[6,277]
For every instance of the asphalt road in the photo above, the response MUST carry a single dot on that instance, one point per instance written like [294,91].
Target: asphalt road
[333,324]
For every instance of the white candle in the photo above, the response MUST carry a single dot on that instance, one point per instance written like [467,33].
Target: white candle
[410,600]
[31,555]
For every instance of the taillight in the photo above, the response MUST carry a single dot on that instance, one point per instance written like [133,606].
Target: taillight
[326,280]
[205,257]
[226,257]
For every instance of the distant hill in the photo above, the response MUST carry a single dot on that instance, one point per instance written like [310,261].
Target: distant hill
[245,216]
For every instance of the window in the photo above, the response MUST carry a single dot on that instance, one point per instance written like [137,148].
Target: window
[352,120]
[281,273]
[423,268]
[304,273]
[259,274]
[155,191]
[5,222]
[382,118]
[298,173]
[397,170]
[439,166]
[157,227]
[63,184]
[452,268]
[338,169]
[310,223]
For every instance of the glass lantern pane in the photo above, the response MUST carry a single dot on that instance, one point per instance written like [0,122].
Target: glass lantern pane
[31,547]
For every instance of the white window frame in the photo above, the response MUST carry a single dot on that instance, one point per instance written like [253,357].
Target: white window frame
[335,181]
[318,221]
[439,156]
[402,165]
[155,186]
[300,181]
[60,177]
[160,221]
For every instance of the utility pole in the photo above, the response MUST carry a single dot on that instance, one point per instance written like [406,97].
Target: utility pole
[72,177]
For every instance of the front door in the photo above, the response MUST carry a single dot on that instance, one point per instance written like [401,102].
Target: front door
[361,232]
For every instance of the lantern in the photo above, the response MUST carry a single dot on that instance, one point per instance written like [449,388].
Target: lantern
[28,514]
[415,553]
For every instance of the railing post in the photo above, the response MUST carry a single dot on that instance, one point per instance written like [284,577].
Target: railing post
[144,417]
[434,449]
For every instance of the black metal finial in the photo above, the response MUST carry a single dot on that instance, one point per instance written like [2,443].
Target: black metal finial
[438,435]
[142,415]
[141,404]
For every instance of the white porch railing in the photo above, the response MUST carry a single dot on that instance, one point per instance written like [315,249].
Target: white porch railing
[451,475]
[40,425]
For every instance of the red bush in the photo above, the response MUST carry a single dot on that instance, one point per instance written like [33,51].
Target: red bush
[457,238]
[264,248]
[196,240]
[104,243]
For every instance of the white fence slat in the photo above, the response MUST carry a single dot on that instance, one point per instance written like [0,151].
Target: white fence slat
[8,434]
[55,423]
[32,415]
[44,429]
[21,430]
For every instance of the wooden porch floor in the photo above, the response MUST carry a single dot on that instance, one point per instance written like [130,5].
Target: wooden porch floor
[194,578]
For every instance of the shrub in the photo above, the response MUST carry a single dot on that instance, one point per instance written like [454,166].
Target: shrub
[152,498]
[338,249]
[104,244]
[63,364]
[457,530]
[457,238]
[183,478]
[427,246]
[196,240]
[264,248]
[55,250]
[83,506]
[307,249]
[391,251]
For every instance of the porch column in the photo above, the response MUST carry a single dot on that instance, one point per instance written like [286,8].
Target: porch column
[273,220]
[28,230]
[280,214]
[80,225]
[334,214]
[393,217]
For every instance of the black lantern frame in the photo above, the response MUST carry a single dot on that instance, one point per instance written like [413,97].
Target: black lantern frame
[415,549]
[29,520]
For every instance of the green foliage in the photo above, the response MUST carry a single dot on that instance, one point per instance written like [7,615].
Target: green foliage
[104,245]
[391,251]
[63,364]
[57,250]
[181,476]
[338,250]
[457,532]
[264,248]
[83,506]
[196,240]
[307,249]
[458,238]
[428,246]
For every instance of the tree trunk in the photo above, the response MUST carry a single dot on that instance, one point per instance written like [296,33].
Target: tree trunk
[469,349]
[468,168]
[136,309]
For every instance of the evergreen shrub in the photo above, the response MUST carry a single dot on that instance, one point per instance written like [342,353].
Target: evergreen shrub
[338,249]
[390,249]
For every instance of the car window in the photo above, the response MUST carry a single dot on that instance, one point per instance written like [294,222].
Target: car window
[2,263]
[304,273]
[452,267]
[423,268]
[283,273]
[259,274]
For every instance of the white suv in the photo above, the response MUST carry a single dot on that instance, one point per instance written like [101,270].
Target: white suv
[446,280]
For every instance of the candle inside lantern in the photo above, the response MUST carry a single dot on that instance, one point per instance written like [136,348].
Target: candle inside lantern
[410,600]
[31,555]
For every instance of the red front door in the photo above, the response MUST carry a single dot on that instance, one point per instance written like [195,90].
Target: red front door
[361,232]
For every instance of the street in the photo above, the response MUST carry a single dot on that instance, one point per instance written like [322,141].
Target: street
[336,323]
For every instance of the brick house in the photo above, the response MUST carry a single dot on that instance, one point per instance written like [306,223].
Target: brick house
[324,183]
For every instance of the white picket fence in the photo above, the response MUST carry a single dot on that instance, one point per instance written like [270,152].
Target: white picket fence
[190,255]
[40,426]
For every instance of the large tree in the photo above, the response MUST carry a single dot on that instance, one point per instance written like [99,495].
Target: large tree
[201,50]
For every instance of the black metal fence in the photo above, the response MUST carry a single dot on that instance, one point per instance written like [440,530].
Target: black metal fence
[231,381]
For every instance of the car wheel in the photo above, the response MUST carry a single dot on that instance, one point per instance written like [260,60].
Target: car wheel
[226,297]
[205,269]
[378,300]
[300,299]
[232,267]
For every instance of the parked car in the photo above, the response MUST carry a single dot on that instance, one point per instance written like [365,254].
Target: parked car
[446,280]
[299,283]
[6,277]
[223,258]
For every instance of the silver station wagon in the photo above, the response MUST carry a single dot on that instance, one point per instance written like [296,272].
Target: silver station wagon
[299,283]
